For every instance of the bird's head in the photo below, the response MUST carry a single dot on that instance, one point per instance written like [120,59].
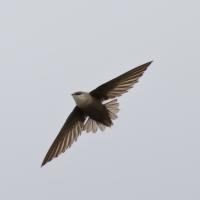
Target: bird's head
[81,97]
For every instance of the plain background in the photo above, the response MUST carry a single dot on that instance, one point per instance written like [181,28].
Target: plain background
[49,49]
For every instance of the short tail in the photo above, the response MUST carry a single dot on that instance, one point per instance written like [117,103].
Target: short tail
[112,108]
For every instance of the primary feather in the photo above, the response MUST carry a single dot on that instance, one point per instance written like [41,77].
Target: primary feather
[119,85]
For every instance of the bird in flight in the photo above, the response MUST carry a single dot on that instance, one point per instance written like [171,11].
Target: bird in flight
[94,110]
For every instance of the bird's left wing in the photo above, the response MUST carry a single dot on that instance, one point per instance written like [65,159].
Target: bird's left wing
[67,135]
[119,85]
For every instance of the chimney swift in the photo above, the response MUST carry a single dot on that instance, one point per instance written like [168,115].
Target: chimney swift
[94,110]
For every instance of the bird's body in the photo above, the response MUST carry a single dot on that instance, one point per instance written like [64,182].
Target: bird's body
[94,110]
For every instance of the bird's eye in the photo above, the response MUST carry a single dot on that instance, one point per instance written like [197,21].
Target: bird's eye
[78,93]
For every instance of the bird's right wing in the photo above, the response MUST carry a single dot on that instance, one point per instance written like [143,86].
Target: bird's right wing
[119,85]
[67,135]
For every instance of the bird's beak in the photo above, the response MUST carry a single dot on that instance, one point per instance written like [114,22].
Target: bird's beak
[72,94]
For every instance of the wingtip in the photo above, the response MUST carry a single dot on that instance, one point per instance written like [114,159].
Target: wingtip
[147,64]
[43,163]
[150,62]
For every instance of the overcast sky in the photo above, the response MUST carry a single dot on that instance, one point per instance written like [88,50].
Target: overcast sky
[49,49]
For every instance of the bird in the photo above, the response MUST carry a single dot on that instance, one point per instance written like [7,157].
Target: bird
[94,110]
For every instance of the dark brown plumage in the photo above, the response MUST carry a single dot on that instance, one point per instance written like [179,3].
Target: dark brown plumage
[91,106]
[67,135]
[119,85]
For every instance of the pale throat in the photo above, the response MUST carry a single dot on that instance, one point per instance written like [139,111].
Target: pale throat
[83,100]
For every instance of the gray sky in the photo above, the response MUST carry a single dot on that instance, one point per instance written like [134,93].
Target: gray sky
[49,49]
